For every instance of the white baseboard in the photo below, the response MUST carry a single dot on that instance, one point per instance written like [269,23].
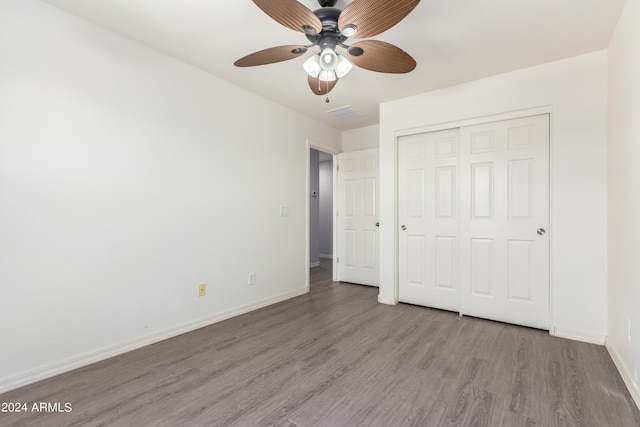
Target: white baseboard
[314,264]
[75,362]
[575,335]
[625,373]
[388,301]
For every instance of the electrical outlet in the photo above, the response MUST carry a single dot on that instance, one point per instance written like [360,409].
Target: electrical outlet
[252,279]
[202,289]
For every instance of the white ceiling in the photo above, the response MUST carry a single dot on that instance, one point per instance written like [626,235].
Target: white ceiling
[453,41]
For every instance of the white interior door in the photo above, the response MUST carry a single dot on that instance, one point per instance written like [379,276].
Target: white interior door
[473,209]
[504,238]
[358,252]
[427,213]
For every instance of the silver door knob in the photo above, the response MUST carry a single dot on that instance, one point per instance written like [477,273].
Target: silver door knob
[541,231]
[404,227]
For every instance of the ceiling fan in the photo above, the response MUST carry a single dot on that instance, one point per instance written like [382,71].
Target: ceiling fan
[329,28]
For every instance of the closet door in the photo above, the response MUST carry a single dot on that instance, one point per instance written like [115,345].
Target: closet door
[473,209]
[504,227]
[427,211]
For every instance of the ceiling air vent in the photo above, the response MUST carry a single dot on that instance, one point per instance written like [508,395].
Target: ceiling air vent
[345,112]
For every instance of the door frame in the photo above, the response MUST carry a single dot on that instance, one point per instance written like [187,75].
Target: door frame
[311,144]
[458,124]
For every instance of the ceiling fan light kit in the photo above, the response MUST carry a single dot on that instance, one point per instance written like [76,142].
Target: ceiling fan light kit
[327,66]
[329,28]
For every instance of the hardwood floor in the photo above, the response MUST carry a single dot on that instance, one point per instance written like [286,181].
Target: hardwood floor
[335,357]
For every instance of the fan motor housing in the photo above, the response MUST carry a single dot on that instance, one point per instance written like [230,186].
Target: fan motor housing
[329,18]
[330,35]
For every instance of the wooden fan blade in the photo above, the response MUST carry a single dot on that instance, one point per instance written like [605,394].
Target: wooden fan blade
[379,56]
[271,55]
[319,87]
[291,14]
[372,17]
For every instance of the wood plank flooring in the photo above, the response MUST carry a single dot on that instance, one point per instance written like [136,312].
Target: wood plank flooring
[335,357]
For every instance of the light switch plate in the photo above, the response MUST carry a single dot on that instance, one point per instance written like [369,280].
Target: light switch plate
[285,211]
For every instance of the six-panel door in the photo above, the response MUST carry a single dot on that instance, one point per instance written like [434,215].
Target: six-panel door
[428,214]
[504,262]
[474,217]
[358,253]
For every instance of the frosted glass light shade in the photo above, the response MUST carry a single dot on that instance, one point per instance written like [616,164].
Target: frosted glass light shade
[328,59]
[312,66]
[343,67]
[327,75]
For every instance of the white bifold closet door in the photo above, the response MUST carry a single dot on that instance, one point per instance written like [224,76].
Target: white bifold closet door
[473,208]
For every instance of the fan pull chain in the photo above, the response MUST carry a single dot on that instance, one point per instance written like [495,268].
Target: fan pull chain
[327,100]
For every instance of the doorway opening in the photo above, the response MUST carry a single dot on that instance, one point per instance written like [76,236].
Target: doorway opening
[321,213]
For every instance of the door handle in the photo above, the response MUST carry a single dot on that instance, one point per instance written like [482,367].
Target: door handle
[404,227]
[377,224]
[541,231]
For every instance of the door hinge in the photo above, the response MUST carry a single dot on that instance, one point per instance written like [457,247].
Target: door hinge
[338,260]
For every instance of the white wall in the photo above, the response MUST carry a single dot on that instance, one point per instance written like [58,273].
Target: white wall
[624,196]
[126,179]
[575,90]
[361,138]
